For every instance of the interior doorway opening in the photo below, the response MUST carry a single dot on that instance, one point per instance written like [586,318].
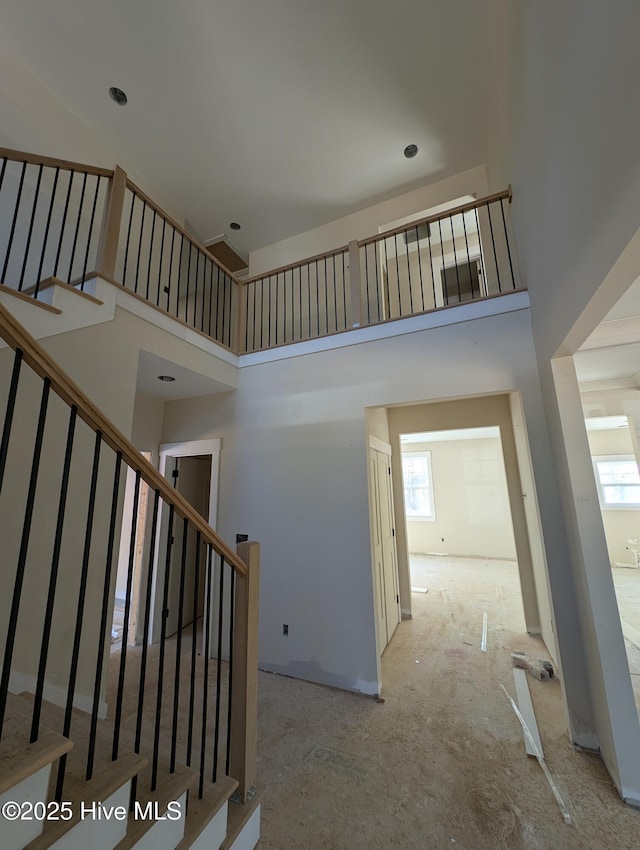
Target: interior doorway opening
[459,529]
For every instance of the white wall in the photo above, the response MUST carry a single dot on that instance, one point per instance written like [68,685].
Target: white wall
[472,515]
[294,475]
[572,155]
[366,222]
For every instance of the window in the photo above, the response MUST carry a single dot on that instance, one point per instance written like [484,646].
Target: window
[618,481]
[418,485]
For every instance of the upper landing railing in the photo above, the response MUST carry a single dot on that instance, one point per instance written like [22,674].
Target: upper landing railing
[69,222]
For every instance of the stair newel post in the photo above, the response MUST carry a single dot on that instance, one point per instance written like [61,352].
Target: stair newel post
[244,698]
[110,230]
[354,319]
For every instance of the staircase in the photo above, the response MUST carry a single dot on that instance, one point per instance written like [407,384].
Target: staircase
[153,746]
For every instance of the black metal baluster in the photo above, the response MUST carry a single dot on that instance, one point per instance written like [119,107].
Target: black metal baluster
[386,263]
[108,572]
[3,170]
[63,223]
[126,248]
[167,288]
[127,612]
[153,231]
[431,272]
[210,310]
[277,303]
[163,639]
[77,230]
[90,236]
[300,302]
[246,324]
[164,228]
[144,210]
[218,322]
[24,546]
[326,298]
[84,572]
[420,266]
[13,223]
[46,231]
[205,684]
[445,290]
[406,247]
[204,289]
[186,300]
[506,239]
[216,728]
[493,242]
[194,640]
[317,301]
[395,245]
[226,308]
[53,577]
[176,684]
[344,287]
[455,257]
[9,411]
[269,312]
[366,276]
[482,263]
[145,631]
[179,276]
[30,232]
[466,244]
[284,311]
[335,294]
[195,296]
[232,599]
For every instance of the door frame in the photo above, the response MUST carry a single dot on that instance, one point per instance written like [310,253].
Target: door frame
[185,448]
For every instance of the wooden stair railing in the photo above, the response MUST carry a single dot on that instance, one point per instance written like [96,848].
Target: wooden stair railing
[220,684]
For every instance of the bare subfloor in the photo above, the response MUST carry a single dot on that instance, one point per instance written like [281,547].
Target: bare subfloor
[441,763]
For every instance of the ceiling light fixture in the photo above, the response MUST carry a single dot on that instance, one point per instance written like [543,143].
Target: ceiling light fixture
[118,96]
[165,378]
[410,151]
[235,226]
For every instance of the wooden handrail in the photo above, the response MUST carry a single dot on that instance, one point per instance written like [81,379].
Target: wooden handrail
[17,337]
[173,223]
[52,162]
[431,219]
[306,261]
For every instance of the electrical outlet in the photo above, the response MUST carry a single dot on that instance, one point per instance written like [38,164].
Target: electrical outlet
[285,629]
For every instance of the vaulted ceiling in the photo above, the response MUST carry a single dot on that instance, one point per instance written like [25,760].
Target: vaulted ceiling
[278,114]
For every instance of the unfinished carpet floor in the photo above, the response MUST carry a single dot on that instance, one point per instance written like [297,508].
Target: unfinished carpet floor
[441,763]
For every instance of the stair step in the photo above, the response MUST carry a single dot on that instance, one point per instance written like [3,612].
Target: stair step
[71,287]
[239,817]
[202,812]
[29,299]
[19,758]
[171,788]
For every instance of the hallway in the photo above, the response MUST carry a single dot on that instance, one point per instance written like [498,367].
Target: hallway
[441,762]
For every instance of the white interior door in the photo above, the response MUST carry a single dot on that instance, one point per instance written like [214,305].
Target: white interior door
[384,547]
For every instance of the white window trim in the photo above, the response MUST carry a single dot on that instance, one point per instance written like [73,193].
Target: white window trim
[421,453]
[603,505]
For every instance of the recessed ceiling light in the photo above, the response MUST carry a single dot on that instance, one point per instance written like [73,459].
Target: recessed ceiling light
[235,226]
[410,151]
[165,378]
[118,96]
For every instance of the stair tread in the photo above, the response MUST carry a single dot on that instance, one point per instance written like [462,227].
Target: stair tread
[48,282]
[201,812]
[171,787]
[239,814]
[30,299]
[19,758]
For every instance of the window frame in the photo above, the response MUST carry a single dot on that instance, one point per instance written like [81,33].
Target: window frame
[604,505]
[426,453]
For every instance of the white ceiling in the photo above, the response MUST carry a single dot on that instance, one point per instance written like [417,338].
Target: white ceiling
[279,114]
[187,383]
[446,436]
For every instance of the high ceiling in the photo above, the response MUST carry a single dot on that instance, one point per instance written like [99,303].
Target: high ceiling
[278,114]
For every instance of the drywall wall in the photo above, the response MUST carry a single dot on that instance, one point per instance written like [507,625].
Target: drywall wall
[572,155]
[472,515]
[366,222]
[294,475]
[620,524]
